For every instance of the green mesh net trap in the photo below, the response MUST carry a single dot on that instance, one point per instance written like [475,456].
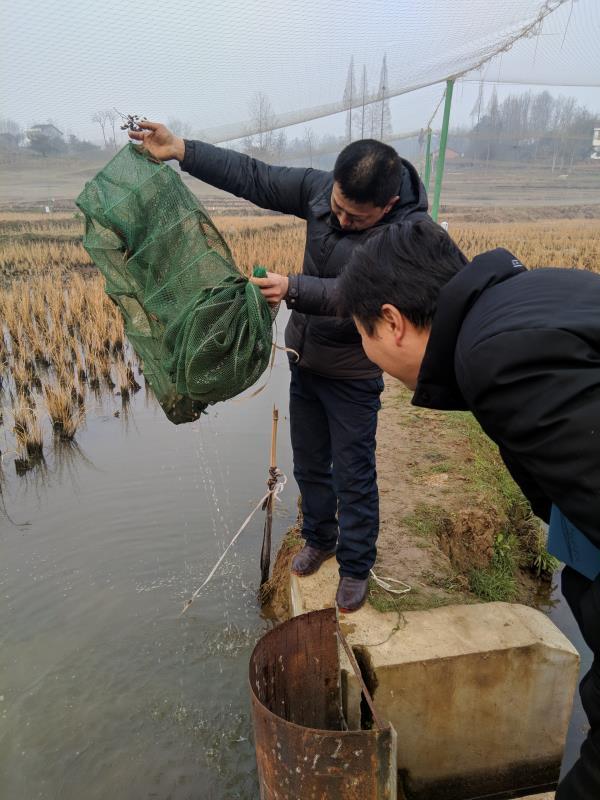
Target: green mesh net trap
[202,330]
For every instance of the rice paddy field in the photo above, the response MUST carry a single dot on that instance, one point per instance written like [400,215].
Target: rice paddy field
[110,517]
[63,341]
[31,243]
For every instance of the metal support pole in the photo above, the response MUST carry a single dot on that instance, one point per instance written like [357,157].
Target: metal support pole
[427,176]
[439,167]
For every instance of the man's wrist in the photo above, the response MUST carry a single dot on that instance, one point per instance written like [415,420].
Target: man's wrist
[179,149]
[291,296]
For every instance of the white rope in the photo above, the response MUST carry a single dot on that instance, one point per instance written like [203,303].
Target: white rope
[431,118]
[385,583]
[275,491]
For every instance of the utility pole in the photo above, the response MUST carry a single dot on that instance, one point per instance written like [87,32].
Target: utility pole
[349,97]
[382,91]
[364,91]
[441,159]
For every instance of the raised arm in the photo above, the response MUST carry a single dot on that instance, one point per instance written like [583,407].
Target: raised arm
[285,189]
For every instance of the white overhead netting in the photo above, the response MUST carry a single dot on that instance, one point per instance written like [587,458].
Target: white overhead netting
[564,50]
[203,61]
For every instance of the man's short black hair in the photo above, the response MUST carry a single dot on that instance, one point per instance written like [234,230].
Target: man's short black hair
[405,265]
[368,171]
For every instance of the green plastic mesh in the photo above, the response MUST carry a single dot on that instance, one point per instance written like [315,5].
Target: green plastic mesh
[202,330]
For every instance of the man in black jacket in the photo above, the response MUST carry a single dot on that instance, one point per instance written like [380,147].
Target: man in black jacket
[521,350]
[335,390]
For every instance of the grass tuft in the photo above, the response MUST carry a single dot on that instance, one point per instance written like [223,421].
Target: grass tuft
[64,416]
[498,581]
[427,521]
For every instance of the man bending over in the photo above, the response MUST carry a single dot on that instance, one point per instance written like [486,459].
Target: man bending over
[521,351]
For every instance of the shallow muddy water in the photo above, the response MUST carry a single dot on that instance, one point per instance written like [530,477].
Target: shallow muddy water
[105,691]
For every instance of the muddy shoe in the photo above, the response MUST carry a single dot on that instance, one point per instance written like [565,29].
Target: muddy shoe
[351,594]
[309,559]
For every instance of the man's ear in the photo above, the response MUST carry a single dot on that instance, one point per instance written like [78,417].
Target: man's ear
[391,204]
[394,321]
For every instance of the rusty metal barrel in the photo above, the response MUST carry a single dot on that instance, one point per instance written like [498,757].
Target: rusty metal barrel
[303,746]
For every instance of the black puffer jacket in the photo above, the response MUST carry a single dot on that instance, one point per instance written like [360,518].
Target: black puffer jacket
[327,345]
[521,350]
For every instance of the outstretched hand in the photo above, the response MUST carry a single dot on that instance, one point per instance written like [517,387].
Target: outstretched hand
[159,141]
[274,287]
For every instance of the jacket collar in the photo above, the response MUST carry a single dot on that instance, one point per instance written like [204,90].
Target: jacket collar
[436,385]
[411,192]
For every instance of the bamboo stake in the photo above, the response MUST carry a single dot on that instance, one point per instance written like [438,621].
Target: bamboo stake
[265,555]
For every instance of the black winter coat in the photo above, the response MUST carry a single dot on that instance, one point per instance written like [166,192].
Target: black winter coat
[327,344]
[521,350]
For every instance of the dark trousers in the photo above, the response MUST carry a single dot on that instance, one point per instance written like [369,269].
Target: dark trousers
[333,425]
[582,782]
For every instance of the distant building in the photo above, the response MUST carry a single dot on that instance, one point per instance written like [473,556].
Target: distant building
[596,145]
[45,140]
[48,131]
[451,155]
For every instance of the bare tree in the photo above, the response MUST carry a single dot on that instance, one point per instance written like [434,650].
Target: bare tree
[99,118]
[478,106]
[365,108]
[113,118]
[11,133]
[10,126]
[262,143]
[382,116]
[309,141]
[349,97]
[493,114]
[564,111]
[279,144]
[107,120]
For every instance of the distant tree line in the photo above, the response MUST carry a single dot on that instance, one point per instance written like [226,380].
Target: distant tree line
[530,127]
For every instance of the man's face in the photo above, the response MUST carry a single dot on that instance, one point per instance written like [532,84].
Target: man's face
[395,345]
[354,216]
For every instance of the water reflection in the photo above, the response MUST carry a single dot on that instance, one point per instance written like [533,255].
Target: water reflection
[106,691]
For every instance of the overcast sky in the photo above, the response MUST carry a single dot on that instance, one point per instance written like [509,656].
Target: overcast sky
[63,60]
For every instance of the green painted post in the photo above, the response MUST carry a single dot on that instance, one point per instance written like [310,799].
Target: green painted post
[439,168]
[427,175]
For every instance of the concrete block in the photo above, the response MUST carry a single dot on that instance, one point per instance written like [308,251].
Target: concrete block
[480,695]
